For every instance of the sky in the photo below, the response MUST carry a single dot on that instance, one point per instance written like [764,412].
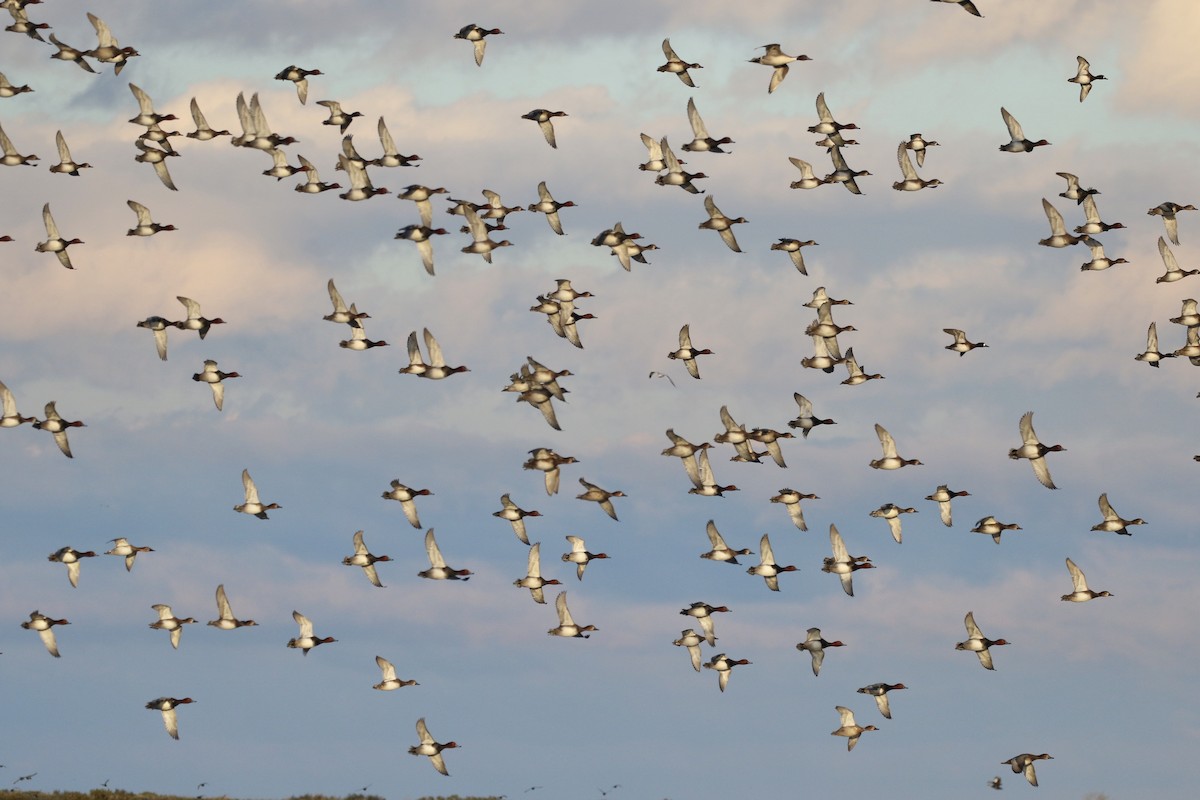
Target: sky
[1102,686]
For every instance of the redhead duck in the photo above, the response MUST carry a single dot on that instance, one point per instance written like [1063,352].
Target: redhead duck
[147,117]
[850,728]
[808,178]
[822,358]
[428,747]
[961,345]
[252,505]
[358,336]
[66,165]
[7,89]
[548,462]
[108,50]
[158,159]
[341,314]
[942,496]
[1094,223]
[167,621]
[1034,450]
[1082,593]
[824,326]
[263,137]
[420,195]
[515,515]
[842,563]
[122,547]
[361,187]
[705,484]
[549,206]
[655,162]
[677,66]
[1084,77]
[771,438]
[566,625]
[891,512]
[423,238]
[282,169]
[1059,235]
[1167,211]
[735,434]
[204,131]
[1113,522]
[767,568]
[966,5]
[54,242]
[685,450]
[691,640]
[1173,273]
[792,248]
[306,641]
[701,141]
[436,368]
[675,175]
[919,145]
[407,499]
[595,494]
[629,250]
[146,226]
[481,245]
[70,556]
[1019,143]
[912,182]
[834,140]
[775,57]
[540,397]
[298,76]
[10,417]
[703,612]
[719,550]
[390,682]
[1151,354]
[1099,260]
[721,224]
[56,425]
[543,117]
[21,23]
[806,421]
[225,620]
[890,460]
[167,706]
[843,174]
[475,35]
[438,571]
[67,53]
[821,297]
[45,627]
[879,692]
[994,528]
[337,117]
[1074,190]
[815,645]
[827,126]
[158,326]
[539,373]
[195,320]
[723,665]
[1188,317]
[363,558]
[977,643]
[790,499]
[533,580]
[687,353]
[579,555]
[1191,350]
[1024,763]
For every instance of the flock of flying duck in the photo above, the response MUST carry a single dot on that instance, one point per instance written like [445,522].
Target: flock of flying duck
[537,384]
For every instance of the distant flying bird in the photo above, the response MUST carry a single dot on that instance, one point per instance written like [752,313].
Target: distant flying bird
[195,321]
[1081,593]
[1084,77]
[701,141]
[960,344]
[1167,211]
[363,558]
[1034,450]
[406,497]
[595,494]
[579,555]
[167,706]
[438,570]
[842,563]
[1058,229]
[306,641]
[967,6]
[723,665]
[544,118]
[146,226]
[252,504]
[213,376]
[719,551]
[475,35]
[720,223]
[1018,143]
[337,117]
[814,644]
[108,50]
[566,624]
[703,612]
[54,242]
[66,165]
[687,353]
[1024,763]
[56,425]
[70,556]
[891,459]
[225,620]
[879,692]
[993,527]
[767,568]
[691,640]
[45,628]
[533,580]
[942,496]
[298,76]
[1113,522]
[167,621]
[122,547]
[390,682]
[516,516]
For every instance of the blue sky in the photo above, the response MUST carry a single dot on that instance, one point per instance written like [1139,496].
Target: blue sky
[324,430]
